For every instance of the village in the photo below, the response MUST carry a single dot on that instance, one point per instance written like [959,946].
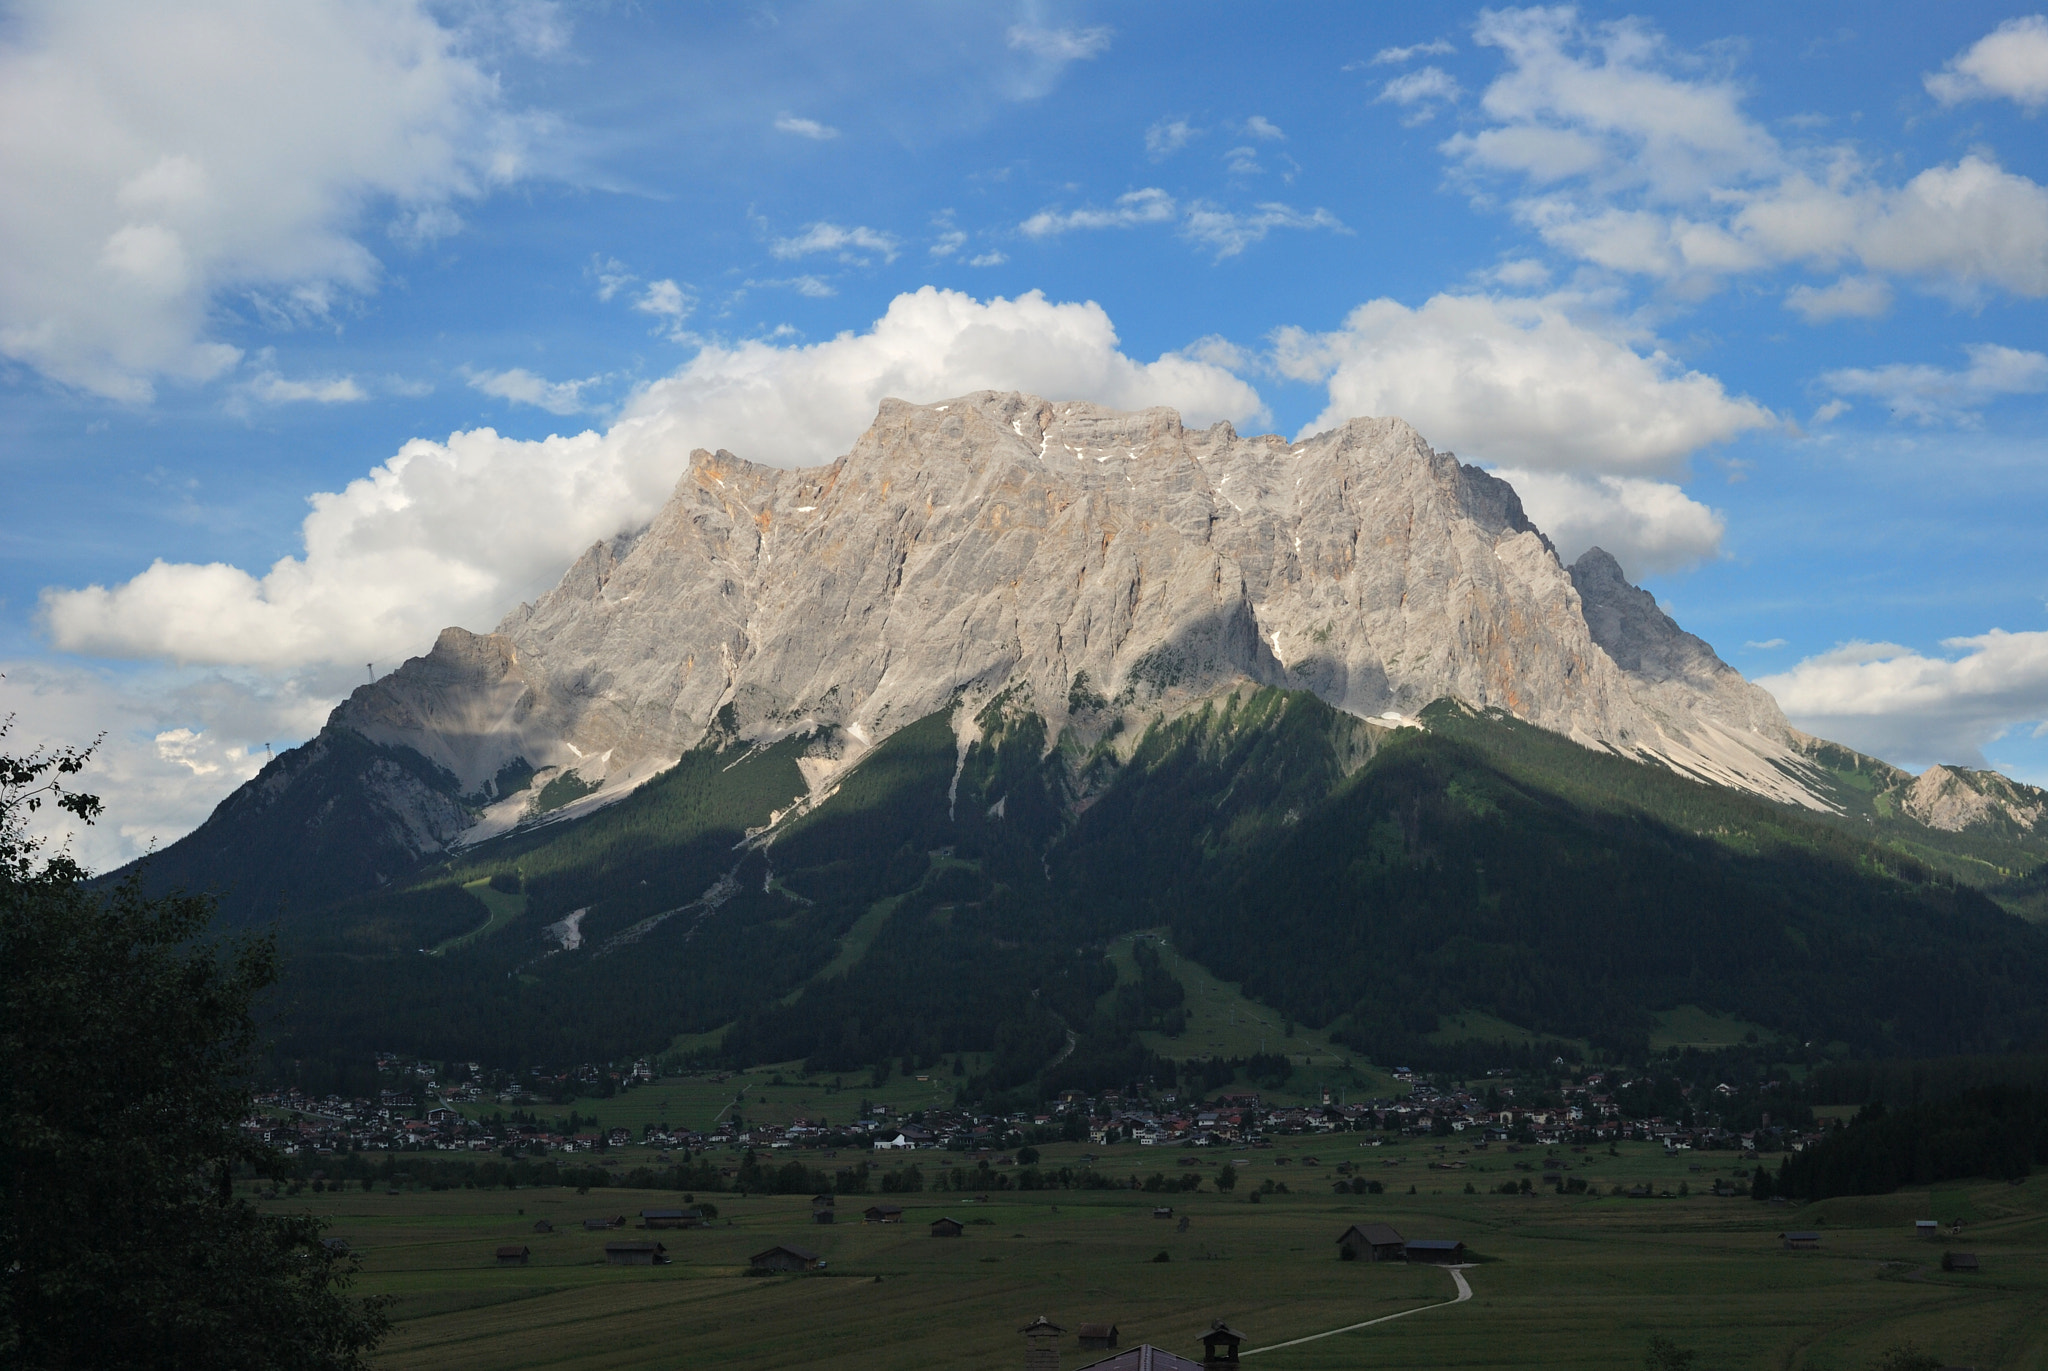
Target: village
[418,1113]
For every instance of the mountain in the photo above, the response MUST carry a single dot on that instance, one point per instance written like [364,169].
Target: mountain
[990,543]
[1012,677]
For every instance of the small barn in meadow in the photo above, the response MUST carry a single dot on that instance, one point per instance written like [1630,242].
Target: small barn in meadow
[1442,1251]
[636,1254]
[1377,1242]
[1146,1357]
[1097,1336]
[671,1218]
[1800,1242]
[1219,1344]
[1959,1261]
[947,1228]
[883,1213]
[784,1257]
[513,1255]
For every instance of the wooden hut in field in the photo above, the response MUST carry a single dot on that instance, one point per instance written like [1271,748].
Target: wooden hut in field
[636,1254]
[1377,1242]
[784,1257]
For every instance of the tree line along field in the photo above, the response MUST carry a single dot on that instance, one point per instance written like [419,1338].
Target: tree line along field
[1563,1281]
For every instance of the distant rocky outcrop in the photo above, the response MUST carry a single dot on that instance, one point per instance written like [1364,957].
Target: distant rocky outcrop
[1955,799]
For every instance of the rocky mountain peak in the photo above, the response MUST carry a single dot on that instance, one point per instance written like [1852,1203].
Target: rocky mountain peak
[1003,542]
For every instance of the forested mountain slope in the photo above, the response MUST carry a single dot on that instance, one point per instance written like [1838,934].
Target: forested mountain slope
[957,889]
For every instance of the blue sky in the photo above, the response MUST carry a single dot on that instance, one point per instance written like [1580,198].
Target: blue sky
[1751,295]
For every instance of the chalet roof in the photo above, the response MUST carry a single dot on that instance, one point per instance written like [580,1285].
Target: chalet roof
[1800,1237]
[634,1247]
[1143,1357]
[800,1253]
[1373,1234]
[671,1213]
[1096,1330]
[514,1250]
[1435,1244]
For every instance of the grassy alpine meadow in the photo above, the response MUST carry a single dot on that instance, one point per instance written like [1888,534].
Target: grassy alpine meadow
[1558,1280]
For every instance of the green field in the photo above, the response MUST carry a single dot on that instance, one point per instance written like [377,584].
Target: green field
[1558,1282]
[699,1102]
[1690,1026]
[1222,1022]
[499,909]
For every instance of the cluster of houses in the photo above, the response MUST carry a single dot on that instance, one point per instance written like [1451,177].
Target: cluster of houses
[418,1114]
[396,1121]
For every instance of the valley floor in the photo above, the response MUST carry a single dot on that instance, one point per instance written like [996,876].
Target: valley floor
[1558,1281]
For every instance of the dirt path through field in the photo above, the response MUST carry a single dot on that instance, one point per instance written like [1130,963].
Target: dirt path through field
[1464,1293]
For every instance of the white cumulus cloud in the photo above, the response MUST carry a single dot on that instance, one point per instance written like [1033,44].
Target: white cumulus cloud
[1516,382]
[848,242]
[1420,92]
[1852,297]
[176,742]
[158,159]
[805,128]
[459,531]
[523,387]
[1395,56]
[1648,526]
[1581,423]
[2010,62]
[1916,708]
[1931,394]
[1226,232]
[1060,45]
[1627,159]
[268,387]
[1230,232]
[1148,206]
[1167,137]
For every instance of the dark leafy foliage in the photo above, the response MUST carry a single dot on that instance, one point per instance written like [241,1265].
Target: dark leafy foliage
[126,1037]
[1996,1131]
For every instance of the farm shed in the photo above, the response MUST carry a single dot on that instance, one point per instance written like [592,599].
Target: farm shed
[1219,1344]
[513,1255]
[636,1254]
[1800,1242]
[1444,1251]
[1144,1357]
[671,1218]
[1097,1335]
[783,1257]
[1372,1241]
[1959,1261]
[947,1228]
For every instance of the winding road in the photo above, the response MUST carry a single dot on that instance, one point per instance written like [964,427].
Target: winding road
[1464,1293]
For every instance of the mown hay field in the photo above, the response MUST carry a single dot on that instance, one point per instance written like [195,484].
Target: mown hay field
[1558,1281]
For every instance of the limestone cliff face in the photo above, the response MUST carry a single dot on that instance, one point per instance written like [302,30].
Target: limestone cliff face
[1001,540]
[1955,799]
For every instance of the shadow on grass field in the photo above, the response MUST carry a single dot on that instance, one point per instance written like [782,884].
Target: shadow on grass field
[1560,1282]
